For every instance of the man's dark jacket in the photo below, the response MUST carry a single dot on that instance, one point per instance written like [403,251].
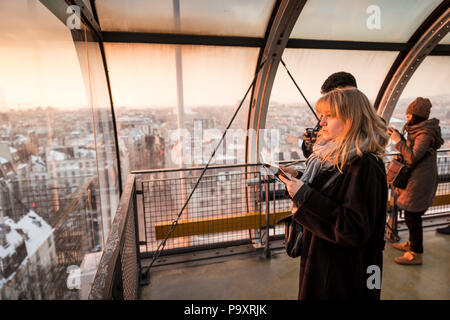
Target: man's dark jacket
[343,231]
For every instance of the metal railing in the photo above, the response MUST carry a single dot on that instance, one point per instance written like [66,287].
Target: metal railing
[439,209]
[233,205]
[226,194]
[118,272]
[223,196]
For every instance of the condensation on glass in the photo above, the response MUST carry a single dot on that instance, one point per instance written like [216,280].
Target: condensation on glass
[58,175]
[207,17]
[159,89]
[367,20]
[104,132]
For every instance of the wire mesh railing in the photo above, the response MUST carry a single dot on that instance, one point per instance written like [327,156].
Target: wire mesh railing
[229,206]
[441,203]
[232,205]
[216,213]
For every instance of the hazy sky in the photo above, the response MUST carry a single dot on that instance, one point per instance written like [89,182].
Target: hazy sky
[38,60]
[40,66]
[347,19]
[215,17]
[145,74]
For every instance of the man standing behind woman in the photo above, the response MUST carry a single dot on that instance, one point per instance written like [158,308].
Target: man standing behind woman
[424,138]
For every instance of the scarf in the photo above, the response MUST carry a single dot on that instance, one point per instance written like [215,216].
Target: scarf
[314,163]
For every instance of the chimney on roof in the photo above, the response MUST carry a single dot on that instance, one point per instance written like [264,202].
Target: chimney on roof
[4,229]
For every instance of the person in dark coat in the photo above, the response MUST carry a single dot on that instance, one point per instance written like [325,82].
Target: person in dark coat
[344,224]
[424,138]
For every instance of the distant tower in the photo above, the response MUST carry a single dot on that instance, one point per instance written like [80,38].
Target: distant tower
[2,98]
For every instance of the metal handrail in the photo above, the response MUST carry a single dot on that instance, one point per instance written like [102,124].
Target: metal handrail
[109,270]
[240,165]
[109,279]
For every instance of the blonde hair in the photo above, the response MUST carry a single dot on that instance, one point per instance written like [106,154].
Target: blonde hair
[363,128]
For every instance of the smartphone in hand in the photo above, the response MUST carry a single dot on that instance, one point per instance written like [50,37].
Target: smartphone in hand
[283,173]
[277,171]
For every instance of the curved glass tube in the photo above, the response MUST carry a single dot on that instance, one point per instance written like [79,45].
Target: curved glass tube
[205,17]
[58,172]
[356,20]
[289,113]
[160,89]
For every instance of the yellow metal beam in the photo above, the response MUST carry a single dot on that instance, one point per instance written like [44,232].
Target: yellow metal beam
[439,200]
[230,222]
[235,222]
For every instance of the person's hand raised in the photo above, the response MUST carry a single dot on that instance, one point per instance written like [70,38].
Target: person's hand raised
[395,135]
[307,138]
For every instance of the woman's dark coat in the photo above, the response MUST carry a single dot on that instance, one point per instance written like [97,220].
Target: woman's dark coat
[422,184]
[343,231]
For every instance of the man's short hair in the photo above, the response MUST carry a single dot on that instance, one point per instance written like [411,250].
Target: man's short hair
[338,80]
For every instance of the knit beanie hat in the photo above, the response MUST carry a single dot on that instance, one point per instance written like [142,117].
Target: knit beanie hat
[420,107]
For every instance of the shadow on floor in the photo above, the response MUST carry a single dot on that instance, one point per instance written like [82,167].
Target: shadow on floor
[250,277]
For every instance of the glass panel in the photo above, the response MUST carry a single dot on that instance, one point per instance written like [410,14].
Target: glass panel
[212,81]
[446,39]
[212,17]
[51,207]
[429,81]
[366,20]
[104,132]
[288,111]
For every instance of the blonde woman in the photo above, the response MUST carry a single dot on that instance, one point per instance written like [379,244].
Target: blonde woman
[344,223]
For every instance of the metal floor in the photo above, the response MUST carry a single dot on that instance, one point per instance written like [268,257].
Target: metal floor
[249,276]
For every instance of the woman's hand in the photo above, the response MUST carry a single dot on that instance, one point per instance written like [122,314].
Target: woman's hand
[292,185]
[291,171]
[307,137]
[395,135]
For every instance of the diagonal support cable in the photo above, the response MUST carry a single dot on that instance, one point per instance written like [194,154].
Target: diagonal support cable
[298,88]
[175,222]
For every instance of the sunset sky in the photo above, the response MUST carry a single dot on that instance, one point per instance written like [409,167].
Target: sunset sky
[40,66]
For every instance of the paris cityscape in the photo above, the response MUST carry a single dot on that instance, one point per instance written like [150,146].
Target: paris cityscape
[58,191]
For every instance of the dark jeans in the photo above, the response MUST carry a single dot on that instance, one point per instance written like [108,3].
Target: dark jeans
[414,222]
